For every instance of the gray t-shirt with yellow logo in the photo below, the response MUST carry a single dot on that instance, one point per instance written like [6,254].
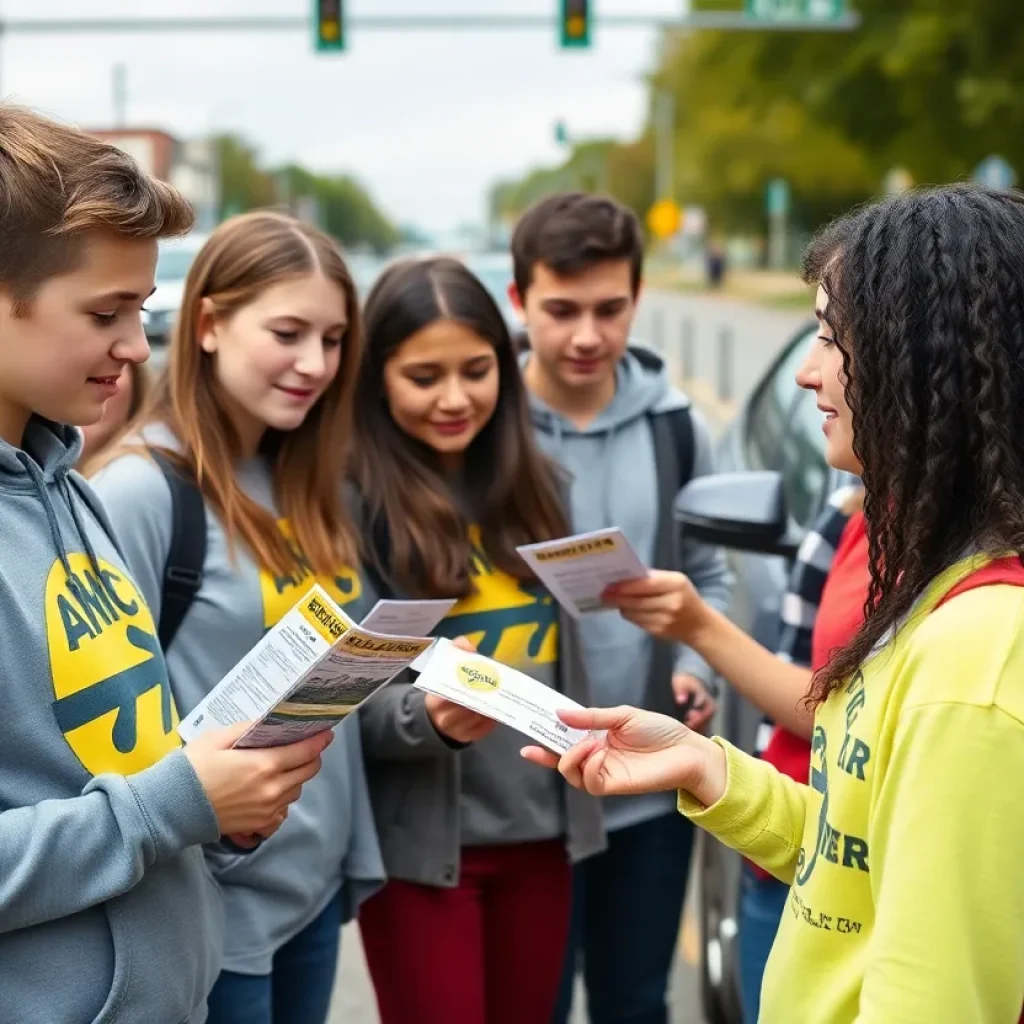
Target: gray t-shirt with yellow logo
[328,842]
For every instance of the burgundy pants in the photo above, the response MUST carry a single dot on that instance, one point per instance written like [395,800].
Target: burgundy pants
[489,951]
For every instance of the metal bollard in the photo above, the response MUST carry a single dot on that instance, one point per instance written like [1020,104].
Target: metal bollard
[725,364]
[688,367]
[658,331]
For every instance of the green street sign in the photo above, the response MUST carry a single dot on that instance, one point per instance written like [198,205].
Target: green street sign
[796,10]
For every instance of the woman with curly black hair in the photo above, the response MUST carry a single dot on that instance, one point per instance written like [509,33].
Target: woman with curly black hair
[904,851]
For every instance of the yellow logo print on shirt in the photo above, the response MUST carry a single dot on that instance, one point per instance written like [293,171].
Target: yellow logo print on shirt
[282,593]
[512,622]
[113,700]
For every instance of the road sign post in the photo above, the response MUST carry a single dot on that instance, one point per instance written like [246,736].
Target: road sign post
[777,201]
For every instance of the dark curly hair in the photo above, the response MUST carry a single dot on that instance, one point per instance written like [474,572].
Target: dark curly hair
[926,301]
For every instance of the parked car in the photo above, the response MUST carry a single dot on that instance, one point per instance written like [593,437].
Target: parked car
[175,256]
[773,484]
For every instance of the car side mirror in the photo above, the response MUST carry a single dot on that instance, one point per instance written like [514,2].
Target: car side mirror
[740,511]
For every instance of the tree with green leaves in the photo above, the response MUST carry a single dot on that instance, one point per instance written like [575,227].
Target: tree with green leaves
[343,206]
[933,86]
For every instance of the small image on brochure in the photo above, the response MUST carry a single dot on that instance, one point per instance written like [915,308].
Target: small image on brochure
[307,674]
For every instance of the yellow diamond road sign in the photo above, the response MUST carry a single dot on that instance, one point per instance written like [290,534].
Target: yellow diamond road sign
[664,218]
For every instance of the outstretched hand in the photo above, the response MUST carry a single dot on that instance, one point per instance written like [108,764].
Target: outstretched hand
[632,751]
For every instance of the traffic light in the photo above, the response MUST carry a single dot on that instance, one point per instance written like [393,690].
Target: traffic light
[329,25]
[574,23]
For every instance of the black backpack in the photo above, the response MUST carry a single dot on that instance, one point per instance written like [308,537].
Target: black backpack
[183,570]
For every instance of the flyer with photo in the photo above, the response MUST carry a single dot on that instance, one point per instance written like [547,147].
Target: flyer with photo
[499,692]
[577,570]
[305,675]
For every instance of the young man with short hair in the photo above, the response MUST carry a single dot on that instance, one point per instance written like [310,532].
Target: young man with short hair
[608,413]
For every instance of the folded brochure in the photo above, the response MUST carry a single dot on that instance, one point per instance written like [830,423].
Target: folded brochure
[305,675]
[577,570]
[501,693]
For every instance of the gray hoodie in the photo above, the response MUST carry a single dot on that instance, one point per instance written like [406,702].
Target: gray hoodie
[328,841]
[624,475]
[107,910]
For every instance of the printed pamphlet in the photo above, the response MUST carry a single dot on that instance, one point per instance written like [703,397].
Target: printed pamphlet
[501,693]
[577,570]
[305,675]
[407,618]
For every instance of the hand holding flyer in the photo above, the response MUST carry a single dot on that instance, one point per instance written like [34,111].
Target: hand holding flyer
[577,570]
[501,693]
[308,673]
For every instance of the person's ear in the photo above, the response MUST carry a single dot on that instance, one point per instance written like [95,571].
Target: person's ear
[206,326]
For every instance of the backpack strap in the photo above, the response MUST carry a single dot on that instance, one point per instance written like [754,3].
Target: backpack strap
[1002,570]
[680,422]
[183,570]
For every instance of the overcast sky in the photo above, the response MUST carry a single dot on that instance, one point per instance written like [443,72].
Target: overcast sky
[426,120]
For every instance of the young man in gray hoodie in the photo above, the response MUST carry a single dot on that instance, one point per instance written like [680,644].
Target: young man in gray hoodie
[608,413]
[108,912]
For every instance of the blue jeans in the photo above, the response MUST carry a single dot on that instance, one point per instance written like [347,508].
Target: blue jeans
[761,905]
[627,906]
[298,989]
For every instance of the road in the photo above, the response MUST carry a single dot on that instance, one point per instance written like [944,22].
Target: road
[717,349]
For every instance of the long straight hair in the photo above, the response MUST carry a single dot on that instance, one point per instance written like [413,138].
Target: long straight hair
[242,258]
[416,523]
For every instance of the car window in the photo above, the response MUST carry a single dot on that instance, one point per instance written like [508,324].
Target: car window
[772,405]
[784,433]
[173,263]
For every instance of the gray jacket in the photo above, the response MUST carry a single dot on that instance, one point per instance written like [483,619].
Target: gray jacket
[414,775]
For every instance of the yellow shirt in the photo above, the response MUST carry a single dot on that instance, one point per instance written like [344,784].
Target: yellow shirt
[906,852]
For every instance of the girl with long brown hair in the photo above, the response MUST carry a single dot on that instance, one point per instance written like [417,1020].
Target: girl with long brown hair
[255,412]
[476,843]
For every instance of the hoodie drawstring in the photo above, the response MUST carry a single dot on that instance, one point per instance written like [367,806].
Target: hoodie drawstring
[35,474]
[72,504]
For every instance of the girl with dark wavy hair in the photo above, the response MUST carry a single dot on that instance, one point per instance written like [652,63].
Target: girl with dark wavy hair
[903,851]
[476,843]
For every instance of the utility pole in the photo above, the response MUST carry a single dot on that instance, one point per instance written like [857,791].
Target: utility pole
[120,95]
[664,142]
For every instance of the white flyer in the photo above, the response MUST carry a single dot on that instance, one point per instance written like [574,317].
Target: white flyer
[577,570]
[502,693]
[407,618]
[305,675]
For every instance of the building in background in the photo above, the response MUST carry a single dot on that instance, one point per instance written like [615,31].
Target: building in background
[189,165]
